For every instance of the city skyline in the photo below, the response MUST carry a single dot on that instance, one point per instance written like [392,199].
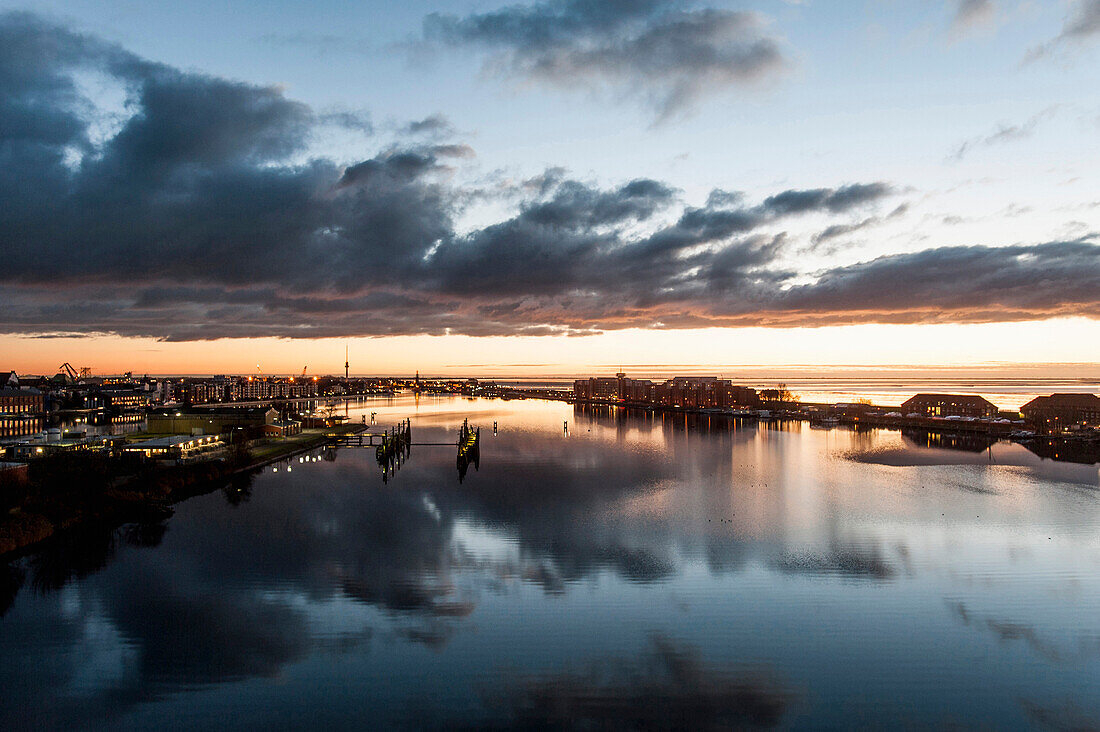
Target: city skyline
[549,187]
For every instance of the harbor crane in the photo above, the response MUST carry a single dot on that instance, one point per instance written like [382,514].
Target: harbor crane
[67,369]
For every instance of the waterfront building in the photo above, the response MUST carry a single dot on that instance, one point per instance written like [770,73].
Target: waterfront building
[209,421]
[173,447]
[118,398]
[1061,412]
[696,392]
[597,388]
[36,447]
[283,428]
[22,412]
[950,405]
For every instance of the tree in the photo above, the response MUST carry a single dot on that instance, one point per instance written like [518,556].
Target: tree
[784,394]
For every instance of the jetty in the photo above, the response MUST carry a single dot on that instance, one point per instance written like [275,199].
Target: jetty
[469,448]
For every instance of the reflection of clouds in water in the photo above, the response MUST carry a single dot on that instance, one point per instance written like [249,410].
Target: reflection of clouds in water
[854,562]
[1086,647]
[326,558]
[1065,715]
[667,687]
[141,636]
[105,659]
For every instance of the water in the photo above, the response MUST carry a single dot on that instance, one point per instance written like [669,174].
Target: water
[634,570]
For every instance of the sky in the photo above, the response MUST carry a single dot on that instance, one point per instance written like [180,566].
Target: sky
[548,187]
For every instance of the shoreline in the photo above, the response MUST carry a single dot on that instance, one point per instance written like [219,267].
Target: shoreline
[932,424]
[22,531]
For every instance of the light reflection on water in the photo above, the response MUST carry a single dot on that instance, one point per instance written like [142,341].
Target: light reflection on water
[637,569]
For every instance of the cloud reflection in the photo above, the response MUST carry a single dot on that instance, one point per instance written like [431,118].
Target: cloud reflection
[670,686]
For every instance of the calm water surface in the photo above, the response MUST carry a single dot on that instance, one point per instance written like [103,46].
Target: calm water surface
[639,569]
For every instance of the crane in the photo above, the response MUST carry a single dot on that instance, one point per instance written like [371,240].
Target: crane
[68,369]
[304,371]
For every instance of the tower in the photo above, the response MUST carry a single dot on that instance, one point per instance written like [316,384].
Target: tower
[347,363]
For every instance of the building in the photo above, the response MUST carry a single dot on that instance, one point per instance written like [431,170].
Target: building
[203,392]
[950,405]
[698,392]
[283,428]
[22,412]
[37,448]
[208,420]
[118,399]
[1060,412]
[174,447]
[597,388]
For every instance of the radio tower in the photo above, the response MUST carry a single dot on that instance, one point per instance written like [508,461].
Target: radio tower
[346,363]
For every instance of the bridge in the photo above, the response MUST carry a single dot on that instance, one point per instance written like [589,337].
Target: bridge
[376,439]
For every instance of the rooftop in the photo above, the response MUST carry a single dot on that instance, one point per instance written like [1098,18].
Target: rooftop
[226,411]
[1066,400]
[170,441]
[953,398]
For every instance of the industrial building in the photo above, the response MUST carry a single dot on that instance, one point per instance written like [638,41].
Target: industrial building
[209,420]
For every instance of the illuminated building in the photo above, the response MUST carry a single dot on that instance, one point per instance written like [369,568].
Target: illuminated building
[22,412]
[950,405]
[1060,412]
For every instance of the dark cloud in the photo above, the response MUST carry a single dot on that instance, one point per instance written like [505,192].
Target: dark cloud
[433,124]
[1086,21]
[971,13]
[200,216]
[348,119]
[1004,133]
[1082,25]
[653,50]
[833,200]
[956,284]
[835,230]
